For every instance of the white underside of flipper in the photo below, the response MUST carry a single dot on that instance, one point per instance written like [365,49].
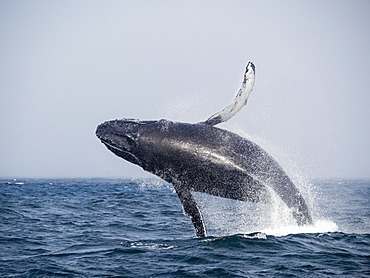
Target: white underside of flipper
[240,99]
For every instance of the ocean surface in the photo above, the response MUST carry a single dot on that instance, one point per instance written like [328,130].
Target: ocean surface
[136,228]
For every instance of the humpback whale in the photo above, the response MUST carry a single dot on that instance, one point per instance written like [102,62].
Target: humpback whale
[203,158]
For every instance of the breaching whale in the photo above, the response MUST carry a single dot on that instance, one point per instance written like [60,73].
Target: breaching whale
[203,158]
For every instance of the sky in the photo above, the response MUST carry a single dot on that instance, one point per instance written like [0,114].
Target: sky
[66,66]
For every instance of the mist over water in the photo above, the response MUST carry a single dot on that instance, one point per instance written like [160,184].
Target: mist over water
[227,217]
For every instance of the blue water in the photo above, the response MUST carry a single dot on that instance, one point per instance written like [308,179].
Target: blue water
[136,228]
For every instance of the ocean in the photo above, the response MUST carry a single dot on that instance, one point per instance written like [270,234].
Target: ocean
[136,228]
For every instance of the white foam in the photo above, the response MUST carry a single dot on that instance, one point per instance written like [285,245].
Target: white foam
[320,226]
[256,236]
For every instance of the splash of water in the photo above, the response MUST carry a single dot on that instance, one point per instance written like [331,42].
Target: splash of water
[225,217]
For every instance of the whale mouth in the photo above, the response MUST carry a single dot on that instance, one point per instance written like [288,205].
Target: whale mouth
[122,153]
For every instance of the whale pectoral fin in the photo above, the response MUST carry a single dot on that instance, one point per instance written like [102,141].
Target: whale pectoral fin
[240,99]
[191,209]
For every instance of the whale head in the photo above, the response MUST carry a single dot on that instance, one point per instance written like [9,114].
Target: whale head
[121,137]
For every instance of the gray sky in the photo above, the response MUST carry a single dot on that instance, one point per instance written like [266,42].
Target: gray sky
[67,66]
